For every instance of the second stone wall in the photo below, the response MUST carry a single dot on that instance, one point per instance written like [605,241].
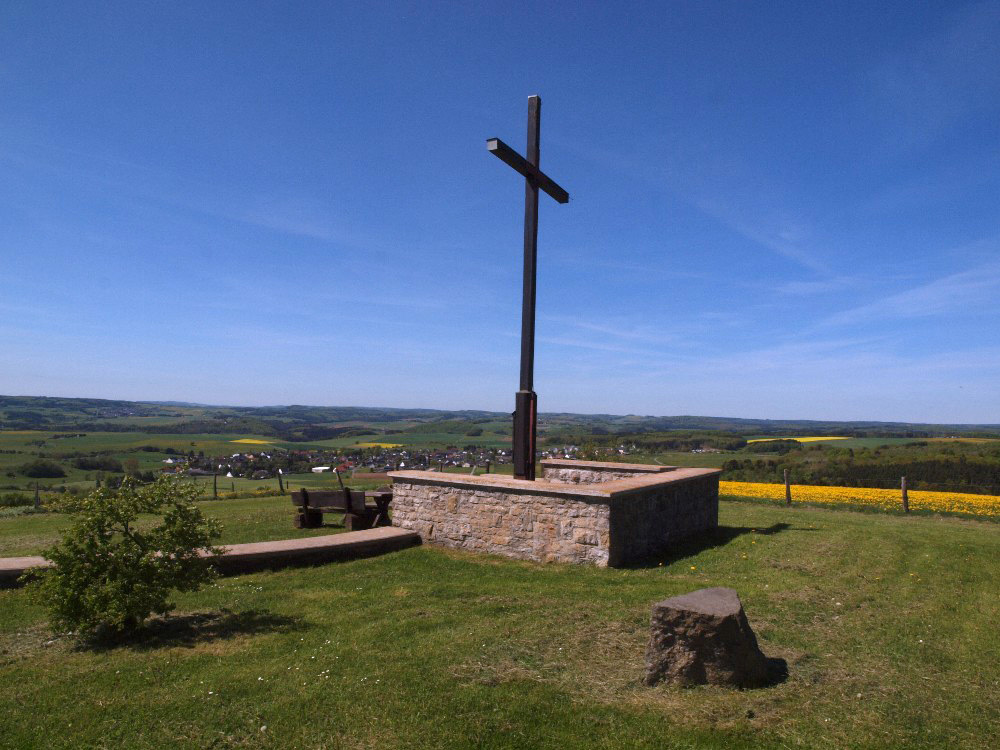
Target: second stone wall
[651,522]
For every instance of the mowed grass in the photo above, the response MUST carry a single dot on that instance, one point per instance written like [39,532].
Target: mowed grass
[888,625]
[245,520]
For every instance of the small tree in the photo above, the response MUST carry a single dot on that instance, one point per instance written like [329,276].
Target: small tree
[112,571]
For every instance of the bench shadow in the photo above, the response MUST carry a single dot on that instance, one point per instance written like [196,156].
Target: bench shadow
[194,628]
[717,537]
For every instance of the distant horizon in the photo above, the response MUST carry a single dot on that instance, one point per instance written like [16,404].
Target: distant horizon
[180,402]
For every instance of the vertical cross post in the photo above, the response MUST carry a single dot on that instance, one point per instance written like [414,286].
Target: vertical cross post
[526,401]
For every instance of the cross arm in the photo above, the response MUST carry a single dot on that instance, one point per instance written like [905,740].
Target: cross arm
[508,155]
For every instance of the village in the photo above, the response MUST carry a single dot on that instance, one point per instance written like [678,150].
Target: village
[268,464]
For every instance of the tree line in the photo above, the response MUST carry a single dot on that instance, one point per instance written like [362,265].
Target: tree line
[953,467]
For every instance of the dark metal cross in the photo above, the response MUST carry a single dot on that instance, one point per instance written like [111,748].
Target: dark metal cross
[526,400]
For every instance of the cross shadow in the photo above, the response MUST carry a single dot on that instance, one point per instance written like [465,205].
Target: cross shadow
[191,629]
[717,537]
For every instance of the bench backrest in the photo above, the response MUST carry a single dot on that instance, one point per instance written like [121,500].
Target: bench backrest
[347,500]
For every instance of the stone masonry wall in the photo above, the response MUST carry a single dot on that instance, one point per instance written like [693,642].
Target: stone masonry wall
[651,522]
[523,525]
[621,527]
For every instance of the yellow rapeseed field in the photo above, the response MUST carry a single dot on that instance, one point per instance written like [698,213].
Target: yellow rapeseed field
[378,445]
[949,502]
[798,439]
[251,441]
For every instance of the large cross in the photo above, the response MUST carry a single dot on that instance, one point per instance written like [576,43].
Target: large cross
[526,400]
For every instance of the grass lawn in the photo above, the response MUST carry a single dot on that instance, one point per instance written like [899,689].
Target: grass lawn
[888,624]
[680,458]
[246,520]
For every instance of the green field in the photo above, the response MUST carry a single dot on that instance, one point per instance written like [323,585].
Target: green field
[21,446]
[244,520]
[675,458]
[424,440]
[968,463]
[852,442]
[888,625]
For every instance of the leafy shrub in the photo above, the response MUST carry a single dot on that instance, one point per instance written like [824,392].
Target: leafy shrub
[778,445]
[98,463]
[111,573]
[42,469]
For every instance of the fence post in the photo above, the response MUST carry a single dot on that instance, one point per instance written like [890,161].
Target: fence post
[788,490]
[281,485]
[38,499]
[215,486]
[906,498]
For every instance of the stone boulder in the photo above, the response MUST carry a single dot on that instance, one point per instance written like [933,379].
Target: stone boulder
[704,638]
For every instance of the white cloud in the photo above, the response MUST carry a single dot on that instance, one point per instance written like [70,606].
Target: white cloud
[948,294]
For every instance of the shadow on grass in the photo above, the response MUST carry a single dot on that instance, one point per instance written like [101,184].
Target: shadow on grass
[194,628]
[717,537]
[777,672]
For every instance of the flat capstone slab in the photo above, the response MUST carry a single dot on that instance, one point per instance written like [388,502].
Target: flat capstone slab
[714,602]
[245,558]
[704,638]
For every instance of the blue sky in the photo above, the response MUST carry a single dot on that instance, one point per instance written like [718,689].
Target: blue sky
[778,210]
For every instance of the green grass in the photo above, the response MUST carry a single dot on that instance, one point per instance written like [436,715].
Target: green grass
[680,458]
[851,442]
[423,440]
[888,625]
[125,445]
[246,520]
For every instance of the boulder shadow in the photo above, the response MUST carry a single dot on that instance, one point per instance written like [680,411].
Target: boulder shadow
[777,672]
[717,537]
[194,628]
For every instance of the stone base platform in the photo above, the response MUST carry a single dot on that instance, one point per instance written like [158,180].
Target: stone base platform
[245,558]
[601,513]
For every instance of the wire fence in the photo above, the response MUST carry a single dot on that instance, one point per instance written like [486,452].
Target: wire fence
[912,484]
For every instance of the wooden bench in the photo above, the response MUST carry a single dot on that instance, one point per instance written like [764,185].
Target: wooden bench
[358,514]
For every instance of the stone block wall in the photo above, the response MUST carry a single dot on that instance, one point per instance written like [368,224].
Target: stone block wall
[523,525]
[650,523]
[565,517]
